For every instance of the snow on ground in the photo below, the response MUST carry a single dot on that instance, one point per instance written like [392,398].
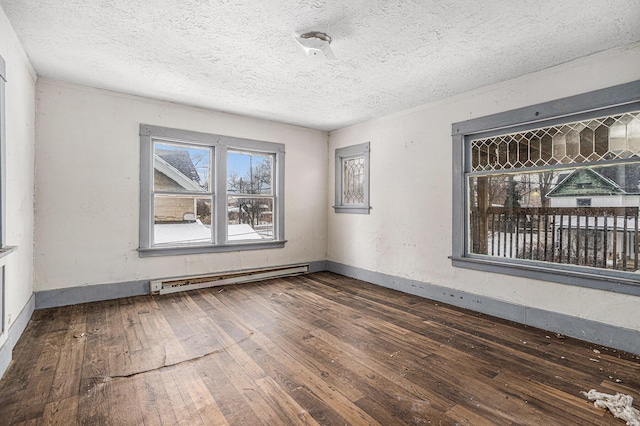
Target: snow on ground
[197,232]
[242,232]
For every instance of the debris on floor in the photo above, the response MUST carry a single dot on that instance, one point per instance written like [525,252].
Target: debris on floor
[620,405]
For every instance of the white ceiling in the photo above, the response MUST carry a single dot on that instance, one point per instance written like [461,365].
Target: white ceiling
[239,56]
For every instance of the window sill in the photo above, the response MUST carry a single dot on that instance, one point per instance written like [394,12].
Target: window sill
[4,251]
[613,281]
[176,251]
[352,210]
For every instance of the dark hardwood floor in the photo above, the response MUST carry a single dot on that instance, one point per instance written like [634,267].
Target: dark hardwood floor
[314,349]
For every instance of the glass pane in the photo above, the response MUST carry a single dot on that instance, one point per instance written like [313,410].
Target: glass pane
[249,173]
[250,218]
[182,219]
[606,138]
[583,216]
[179,168]
[353,180]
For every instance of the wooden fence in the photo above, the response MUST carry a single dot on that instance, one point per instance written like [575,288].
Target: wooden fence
[602,237]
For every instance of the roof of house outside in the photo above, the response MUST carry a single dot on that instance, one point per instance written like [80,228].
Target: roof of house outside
[585,182]
[181,161]
[598,181]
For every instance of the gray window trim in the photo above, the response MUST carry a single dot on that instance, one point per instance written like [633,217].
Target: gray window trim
[360,150]
[612,100]
[4,249]
[3,154]
[3,297]
[220,145]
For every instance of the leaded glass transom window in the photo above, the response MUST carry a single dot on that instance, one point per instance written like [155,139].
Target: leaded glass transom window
[606,138]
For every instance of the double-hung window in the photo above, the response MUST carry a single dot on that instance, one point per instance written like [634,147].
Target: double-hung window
[352,179]
[207,193]
[553,191]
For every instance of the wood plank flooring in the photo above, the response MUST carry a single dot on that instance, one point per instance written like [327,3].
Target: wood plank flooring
[314,349]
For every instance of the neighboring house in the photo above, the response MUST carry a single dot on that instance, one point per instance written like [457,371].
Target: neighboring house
[175,171]
[606,190]
[597,187]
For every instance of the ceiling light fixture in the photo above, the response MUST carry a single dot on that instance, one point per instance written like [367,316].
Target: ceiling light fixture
[316,45]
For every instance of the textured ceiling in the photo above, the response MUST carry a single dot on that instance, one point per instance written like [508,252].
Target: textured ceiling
[240,57]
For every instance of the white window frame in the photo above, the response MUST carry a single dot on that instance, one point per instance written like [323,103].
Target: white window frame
[341,154]
[219,144]
[610,101]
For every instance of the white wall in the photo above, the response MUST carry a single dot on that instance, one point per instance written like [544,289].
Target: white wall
[408,233]
[87,180]
[20,134]
[603,201]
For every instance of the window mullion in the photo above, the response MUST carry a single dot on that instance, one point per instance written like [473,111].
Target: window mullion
[221,202]
[213,180]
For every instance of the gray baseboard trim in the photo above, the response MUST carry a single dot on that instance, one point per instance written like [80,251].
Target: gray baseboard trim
[15,331]
[90,293]
[99,292]
[591,331]
[317,266]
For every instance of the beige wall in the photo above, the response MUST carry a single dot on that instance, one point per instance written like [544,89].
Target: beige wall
[408,233]
[20,134]
[87,174]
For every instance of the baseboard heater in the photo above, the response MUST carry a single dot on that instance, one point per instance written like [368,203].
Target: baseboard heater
[175,285]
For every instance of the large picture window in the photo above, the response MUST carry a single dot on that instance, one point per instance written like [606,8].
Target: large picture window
[556,198]
[207,193]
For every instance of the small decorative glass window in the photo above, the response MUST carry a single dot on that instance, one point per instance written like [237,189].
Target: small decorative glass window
[352,179]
